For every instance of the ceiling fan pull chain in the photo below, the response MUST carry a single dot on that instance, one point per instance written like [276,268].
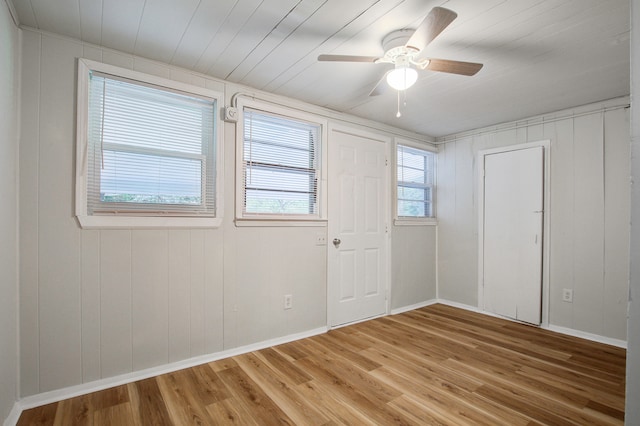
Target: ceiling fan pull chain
[398,114]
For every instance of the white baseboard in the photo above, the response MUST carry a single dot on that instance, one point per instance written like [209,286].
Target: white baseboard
[414,306]
[557,329]
[97,385]
[588,336]
[463,306]
[14,415]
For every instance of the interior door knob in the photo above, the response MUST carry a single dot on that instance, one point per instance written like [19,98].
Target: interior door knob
[336,242]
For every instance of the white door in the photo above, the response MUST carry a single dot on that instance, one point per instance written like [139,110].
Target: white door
[513,224]
[357,246]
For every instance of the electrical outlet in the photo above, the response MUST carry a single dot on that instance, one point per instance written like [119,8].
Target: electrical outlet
[321,239]
[567,295]
[288,301]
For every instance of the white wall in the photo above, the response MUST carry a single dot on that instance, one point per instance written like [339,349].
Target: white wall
[413,270]
[9,91]
[632,413]
[589,213]
[99,303]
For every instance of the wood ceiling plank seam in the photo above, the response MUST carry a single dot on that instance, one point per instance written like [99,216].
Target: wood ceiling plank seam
[301,66]
[135,41]
[509,22]
[206,25]
[233,23]
[162,24]
[274,40]
[121,20]
[560,26]
[60,17]
[24,13]
[91,21]
[186,28]
[262,23]
[218,67]
[471,12]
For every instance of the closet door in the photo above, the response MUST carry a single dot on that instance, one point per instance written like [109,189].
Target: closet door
[513,228]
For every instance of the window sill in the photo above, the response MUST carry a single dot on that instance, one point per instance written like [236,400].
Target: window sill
[415,221]
[144,222]
[280,222]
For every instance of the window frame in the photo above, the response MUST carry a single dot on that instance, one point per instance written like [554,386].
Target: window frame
[142,219]
[266,219]
[409,220]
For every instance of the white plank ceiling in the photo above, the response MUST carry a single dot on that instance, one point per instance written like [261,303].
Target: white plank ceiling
[539,55]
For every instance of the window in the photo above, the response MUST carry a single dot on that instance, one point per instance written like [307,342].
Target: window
[280,166]
[415,176]
[148,147]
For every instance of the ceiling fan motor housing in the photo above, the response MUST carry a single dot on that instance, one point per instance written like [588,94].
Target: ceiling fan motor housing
[394,45]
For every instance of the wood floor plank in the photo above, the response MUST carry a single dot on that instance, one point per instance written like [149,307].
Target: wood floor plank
[181,399]
[226,412]
[340,381]
[331,350]
[435,365]
[292,350]
[330,403]
[43,415]
[287,399]
[119,414]
[208,385]
[76,411]
[287,370]
[253,398]
[150,405]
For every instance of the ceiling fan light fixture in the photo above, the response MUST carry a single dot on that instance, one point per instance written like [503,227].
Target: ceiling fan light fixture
[403,77]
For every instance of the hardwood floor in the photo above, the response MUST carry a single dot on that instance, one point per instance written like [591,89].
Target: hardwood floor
[435,365]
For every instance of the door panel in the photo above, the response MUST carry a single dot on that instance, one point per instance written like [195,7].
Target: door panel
[357,266]
[513,223]
[347,265]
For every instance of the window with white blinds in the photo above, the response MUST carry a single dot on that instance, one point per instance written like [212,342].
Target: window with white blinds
[415,176]
[150,149]
[280,165]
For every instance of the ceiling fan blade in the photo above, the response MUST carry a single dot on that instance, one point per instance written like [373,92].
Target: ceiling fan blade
[436,21]
[347,58]
[381,86]
[453,67]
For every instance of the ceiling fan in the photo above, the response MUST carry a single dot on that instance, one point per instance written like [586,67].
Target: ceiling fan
[402,49]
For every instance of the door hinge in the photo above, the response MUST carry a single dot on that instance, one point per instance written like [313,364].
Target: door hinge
[386,161]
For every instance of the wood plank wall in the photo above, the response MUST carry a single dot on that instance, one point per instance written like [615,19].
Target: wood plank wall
[589,214]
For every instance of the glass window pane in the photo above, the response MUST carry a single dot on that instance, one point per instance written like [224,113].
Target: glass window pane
[275,202]
[406,174]
[413,209]
[280,164]
[415,176]
[139,178]
[406,193]
[282,179]
[148,146]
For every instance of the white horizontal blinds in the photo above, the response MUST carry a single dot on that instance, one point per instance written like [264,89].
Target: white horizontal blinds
[280,165]
[415,182]
[151,149]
